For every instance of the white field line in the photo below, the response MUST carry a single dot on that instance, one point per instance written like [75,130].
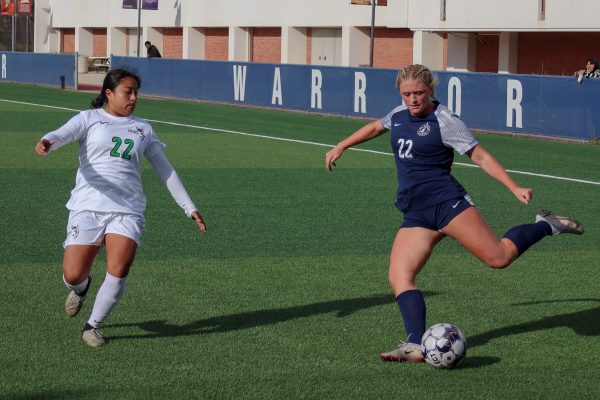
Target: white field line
[561,178]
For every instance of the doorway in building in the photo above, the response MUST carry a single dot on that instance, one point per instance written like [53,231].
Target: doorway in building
[326,46]
[132,43]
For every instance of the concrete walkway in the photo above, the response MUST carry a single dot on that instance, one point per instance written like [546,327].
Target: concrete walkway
[90,81]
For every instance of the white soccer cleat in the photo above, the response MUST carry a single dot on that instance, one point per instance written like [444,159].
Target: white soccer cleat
[409,352]
[92,337]
[560,224]
[74,300]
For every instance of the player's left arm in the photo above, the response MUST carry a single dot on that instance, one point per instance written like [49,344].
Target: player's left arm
[171,180]
[493,168]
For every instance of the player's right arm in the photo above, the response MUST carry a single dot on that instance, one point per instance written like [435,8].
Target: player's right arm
[69,132]
[367,132]
[43,146]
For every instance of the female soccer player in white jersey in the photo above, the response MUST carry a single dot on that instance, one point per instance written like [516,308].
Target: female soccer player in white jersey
[424,135]
[107,204]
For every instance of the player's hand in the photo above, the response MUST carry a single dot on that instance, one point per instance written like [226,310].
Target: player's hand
[199,221]
[523,194]
[43,147]
[331,156]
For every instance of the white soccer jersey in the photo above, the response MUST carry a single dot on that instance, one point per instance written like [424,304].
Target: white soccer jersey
[110,155]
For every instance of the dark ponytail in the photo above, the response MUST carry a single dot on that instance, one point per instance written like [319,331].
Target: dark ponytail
[99,101]
[111,81]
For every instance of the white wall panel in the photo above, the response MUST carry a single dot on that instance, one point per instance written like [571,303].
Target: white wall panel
[504,15]
[461,15]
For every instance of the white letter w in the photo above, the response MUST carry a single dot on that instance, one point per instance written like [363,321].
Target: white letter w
[239,82]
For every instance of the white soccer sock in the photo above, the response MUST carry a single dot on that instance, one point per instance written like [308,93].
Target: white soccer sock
[107,298]
[79,287]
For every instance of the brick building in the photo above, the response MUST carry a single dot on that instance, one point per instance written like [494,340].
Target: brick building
[508,36]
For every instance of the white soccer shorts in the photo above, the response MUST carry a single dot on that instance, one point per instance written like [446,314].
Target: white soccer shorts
[89,227]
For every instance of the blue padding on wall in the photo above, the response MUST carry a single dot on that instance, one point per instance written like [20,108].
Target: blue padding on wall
[38,68]
[545,105]
[550,105]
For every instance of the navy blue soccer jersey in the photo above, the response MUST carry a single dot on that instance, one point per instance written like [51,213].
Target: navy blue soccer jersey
[424,150]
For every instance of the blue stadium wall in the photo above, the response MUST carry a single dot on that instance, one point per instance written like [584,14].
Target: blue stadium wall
[38,68]
[531,104]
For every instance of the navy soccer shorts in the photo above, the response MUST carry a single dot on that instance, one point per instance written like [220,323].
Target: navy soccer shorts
[438,216]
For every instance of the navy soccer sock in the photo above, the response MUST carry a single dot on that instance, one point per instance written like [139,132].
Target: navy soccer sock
[525,236]
[412,308]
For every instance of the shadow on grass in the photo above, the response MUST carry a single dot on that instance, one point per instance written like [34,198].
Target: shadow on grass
[51,395]
[583,323]
[247,320]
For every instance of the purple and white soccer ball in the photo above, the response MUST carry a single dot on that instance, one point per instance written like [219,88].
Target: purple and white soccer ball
[444,346]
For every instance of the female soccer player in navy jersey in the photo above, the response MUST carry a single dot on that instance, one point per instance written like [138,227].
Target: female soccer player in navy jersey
[424,135]
[107,204]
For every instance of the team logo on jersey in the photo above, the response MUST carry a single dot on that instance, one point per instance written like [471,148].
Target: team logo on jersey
[138,131]
[424,130]
[74,231]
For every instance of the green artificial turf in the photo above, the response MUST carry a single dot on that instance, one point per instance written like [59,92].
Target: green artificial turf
[286,296]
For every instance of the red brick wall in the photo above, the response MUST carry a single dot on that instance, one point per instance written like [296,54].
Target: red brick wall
[392,48]
[216,43]
[308,46]
[487,53]
[266,45]
[67,40]
[556,53]
[172,43]
[99,42]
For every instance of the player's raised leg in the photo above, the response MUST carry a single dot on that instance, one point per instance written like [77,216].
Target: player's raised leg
[470,229]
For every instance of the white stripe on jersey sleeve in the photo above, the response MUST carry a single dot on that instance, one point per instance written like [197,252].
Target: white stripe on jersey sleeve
[454,132]
[387,120]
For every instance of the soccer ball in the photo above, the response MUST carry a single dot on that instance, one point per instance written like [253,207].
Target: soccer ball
[444,346]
